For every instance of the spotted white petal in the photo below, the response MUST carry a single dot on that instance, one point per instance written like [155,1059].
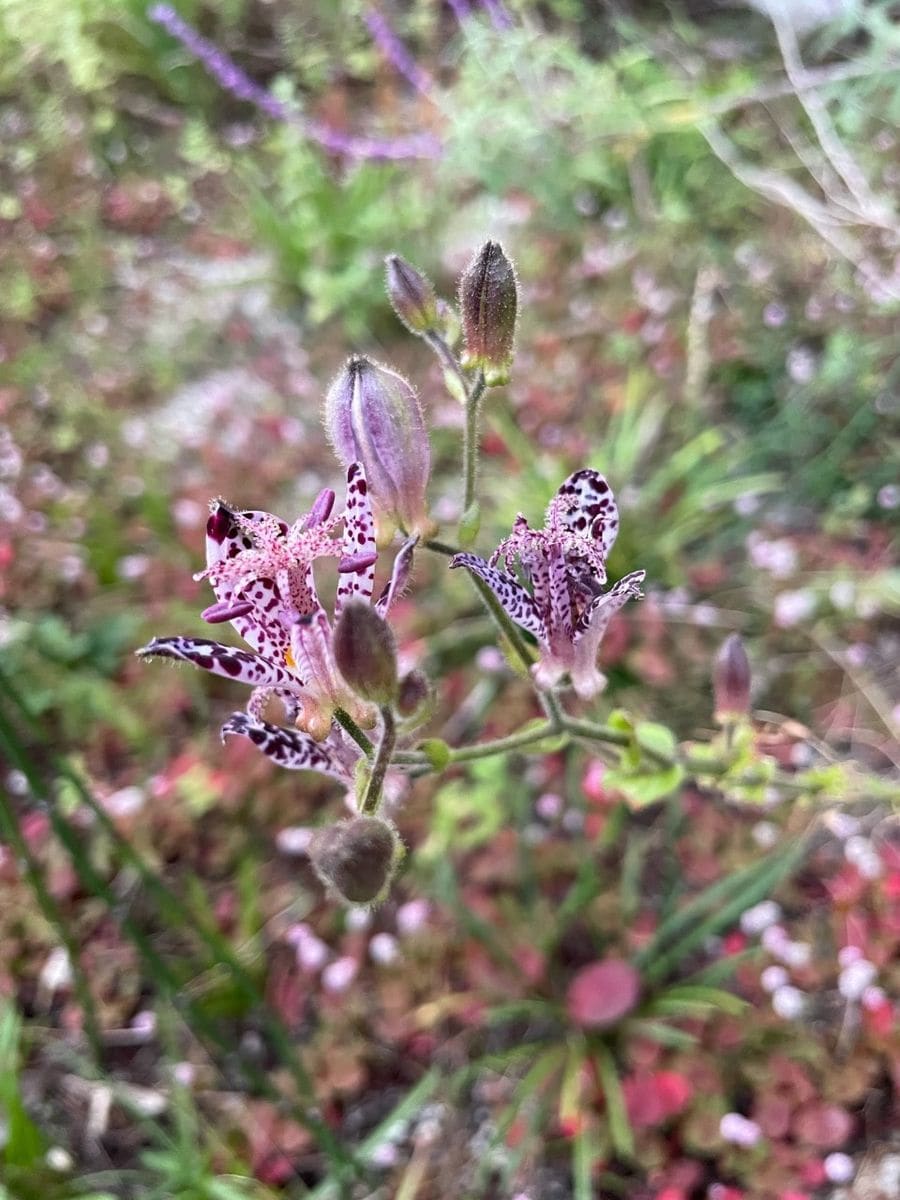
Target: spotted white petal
[516,602]
[228,661]
[287,747]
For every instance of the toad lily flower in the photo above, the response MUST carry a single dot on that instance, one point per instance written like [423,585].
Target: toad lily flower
[565,564]
[261,572]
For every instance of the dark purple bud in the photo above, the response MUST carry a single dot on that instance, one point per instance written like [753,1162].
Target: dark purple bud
[411,295]
[488,299]
[321,509]
[413,693]
[217,614]
[372,416]
[356,858]
[731,680]
[365,653]
[220,522]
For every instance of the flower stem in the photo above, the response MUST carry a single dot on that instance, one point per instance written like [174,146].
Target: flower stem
[372,797]
[513,741]
[470,442]
[448,358]
[346,721]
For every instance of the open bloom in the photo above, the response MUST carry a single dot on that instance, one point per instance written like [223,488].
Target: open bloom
[261,570]
[565,565]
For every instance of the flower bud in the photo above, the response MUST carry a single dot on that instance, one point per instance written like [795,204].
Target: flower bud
[731,680]
[413,693]
[357,857]
[411,295]
[365,653]
[372,416]
[437,752]
[488,294]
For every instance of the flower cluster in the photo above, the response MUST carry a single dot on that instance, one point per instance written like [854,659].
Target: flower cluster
[347,710]
[565,565]
[261,570]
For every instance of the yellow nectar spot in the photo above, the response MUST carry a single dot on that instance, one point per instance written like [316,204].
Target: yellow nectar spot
[289,659]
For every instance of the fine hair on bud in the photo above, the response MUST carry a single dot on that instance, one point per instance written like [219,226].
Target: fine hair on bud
[488,302]
[373,416]
[365,653]
[731,679]
[411,295]
[356,858]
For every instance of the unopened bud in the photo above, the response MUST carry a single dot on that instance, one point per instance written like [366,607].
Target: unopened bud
[372,416]
[365,653]
[413,693]
[731,680]
[488,294]
[437,752]
[357,857]
[411,295]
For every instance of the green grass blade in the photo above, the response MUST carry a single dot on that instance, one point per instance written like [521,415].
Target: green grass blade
[620,1131]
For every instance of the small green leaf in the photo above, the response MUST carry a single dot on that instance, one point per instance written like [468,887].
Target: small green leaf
[641,789]
[656,740]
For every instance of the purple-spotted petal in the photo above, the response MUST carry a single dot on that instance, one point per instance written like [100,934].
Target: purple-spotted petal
[515,600]
[227,661]
[261,628]
[287,747]
[358,543]
[585,504]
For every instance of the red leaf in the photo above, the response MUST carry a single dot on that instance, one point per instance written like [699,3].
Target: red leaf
[602,993]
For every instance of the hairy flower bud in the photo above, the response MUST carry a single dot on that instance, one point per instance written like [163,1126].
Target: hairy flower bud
[372,416]
[411,295]
[356,857]
[731,680]
[488,294]
[365,653]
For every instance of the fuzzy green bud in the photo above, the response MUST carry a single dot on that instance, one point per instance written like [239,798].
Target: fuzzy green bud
[411,295]
[488,299]
[437,752]
[357,858]
[365,653]
[731,680]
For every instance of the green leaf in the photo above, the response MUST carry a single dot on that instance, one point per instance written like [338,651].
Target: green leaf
[656,740]
[620,1130]
[646,787]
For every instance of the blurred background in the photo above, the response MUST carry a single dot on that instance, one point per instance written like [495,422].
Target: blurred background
[195,206]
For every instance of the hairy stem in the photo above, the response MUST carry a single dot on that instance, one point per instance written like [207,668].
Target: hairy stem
[470,442]
[448,359]
[372,797]
[513,741]
[346,721]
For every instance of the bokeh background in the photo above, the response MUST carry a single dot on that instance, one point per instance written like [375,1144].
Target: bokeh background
[701,200]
